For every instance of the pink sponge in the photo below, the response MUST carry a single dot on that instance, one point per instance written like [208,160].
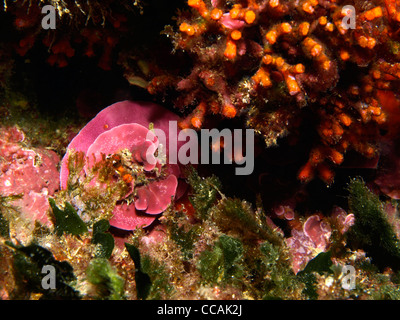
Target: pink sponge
[124,125]
[303,244]
[29,172]
[119,113]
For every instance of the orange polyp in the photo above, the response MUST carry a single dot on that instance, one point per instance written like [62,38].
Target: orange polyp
[299,68]
[306,173]
[183,27]
[371,43]
[380,119]
[262,78]
[337,129]
[229,111]
[292,85]
[362,41]
[235,12]
[344,55]
[326,65]
[194,3]
[190,31]
[230,50]
[267,59]
[390,6]
[345,119]
[373,13]
[120,169]
[376,111]
[249,16]
[316,50]
[308,42]
[336,156]
[304,27]
[199,5]
[279,62]
[187,28]
[329,27]
[216,14]
[271,36]
[323,20]
[285,27]
[196,122]
[307,7]
[327,132]
[314,47]
[236,34]
[274,3]
[127,178]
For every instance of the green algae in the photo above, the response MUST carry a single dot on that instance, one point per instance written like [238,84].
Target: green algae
[109,285]
[205,191]
[371,230]
[67,220]
[104,240]
[222,263]
[28,263]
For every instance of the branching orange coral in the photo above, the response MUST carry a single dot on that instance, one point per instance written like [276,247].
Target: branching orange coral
[268,60]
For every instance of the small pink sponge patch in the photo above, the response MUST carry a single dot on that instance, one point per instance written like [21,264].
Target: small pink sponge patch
[29,172]
[303,244]
[124,126]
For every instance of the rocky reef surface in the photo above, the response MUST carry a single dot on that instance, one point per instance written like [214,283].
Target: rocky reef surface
[90,188]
